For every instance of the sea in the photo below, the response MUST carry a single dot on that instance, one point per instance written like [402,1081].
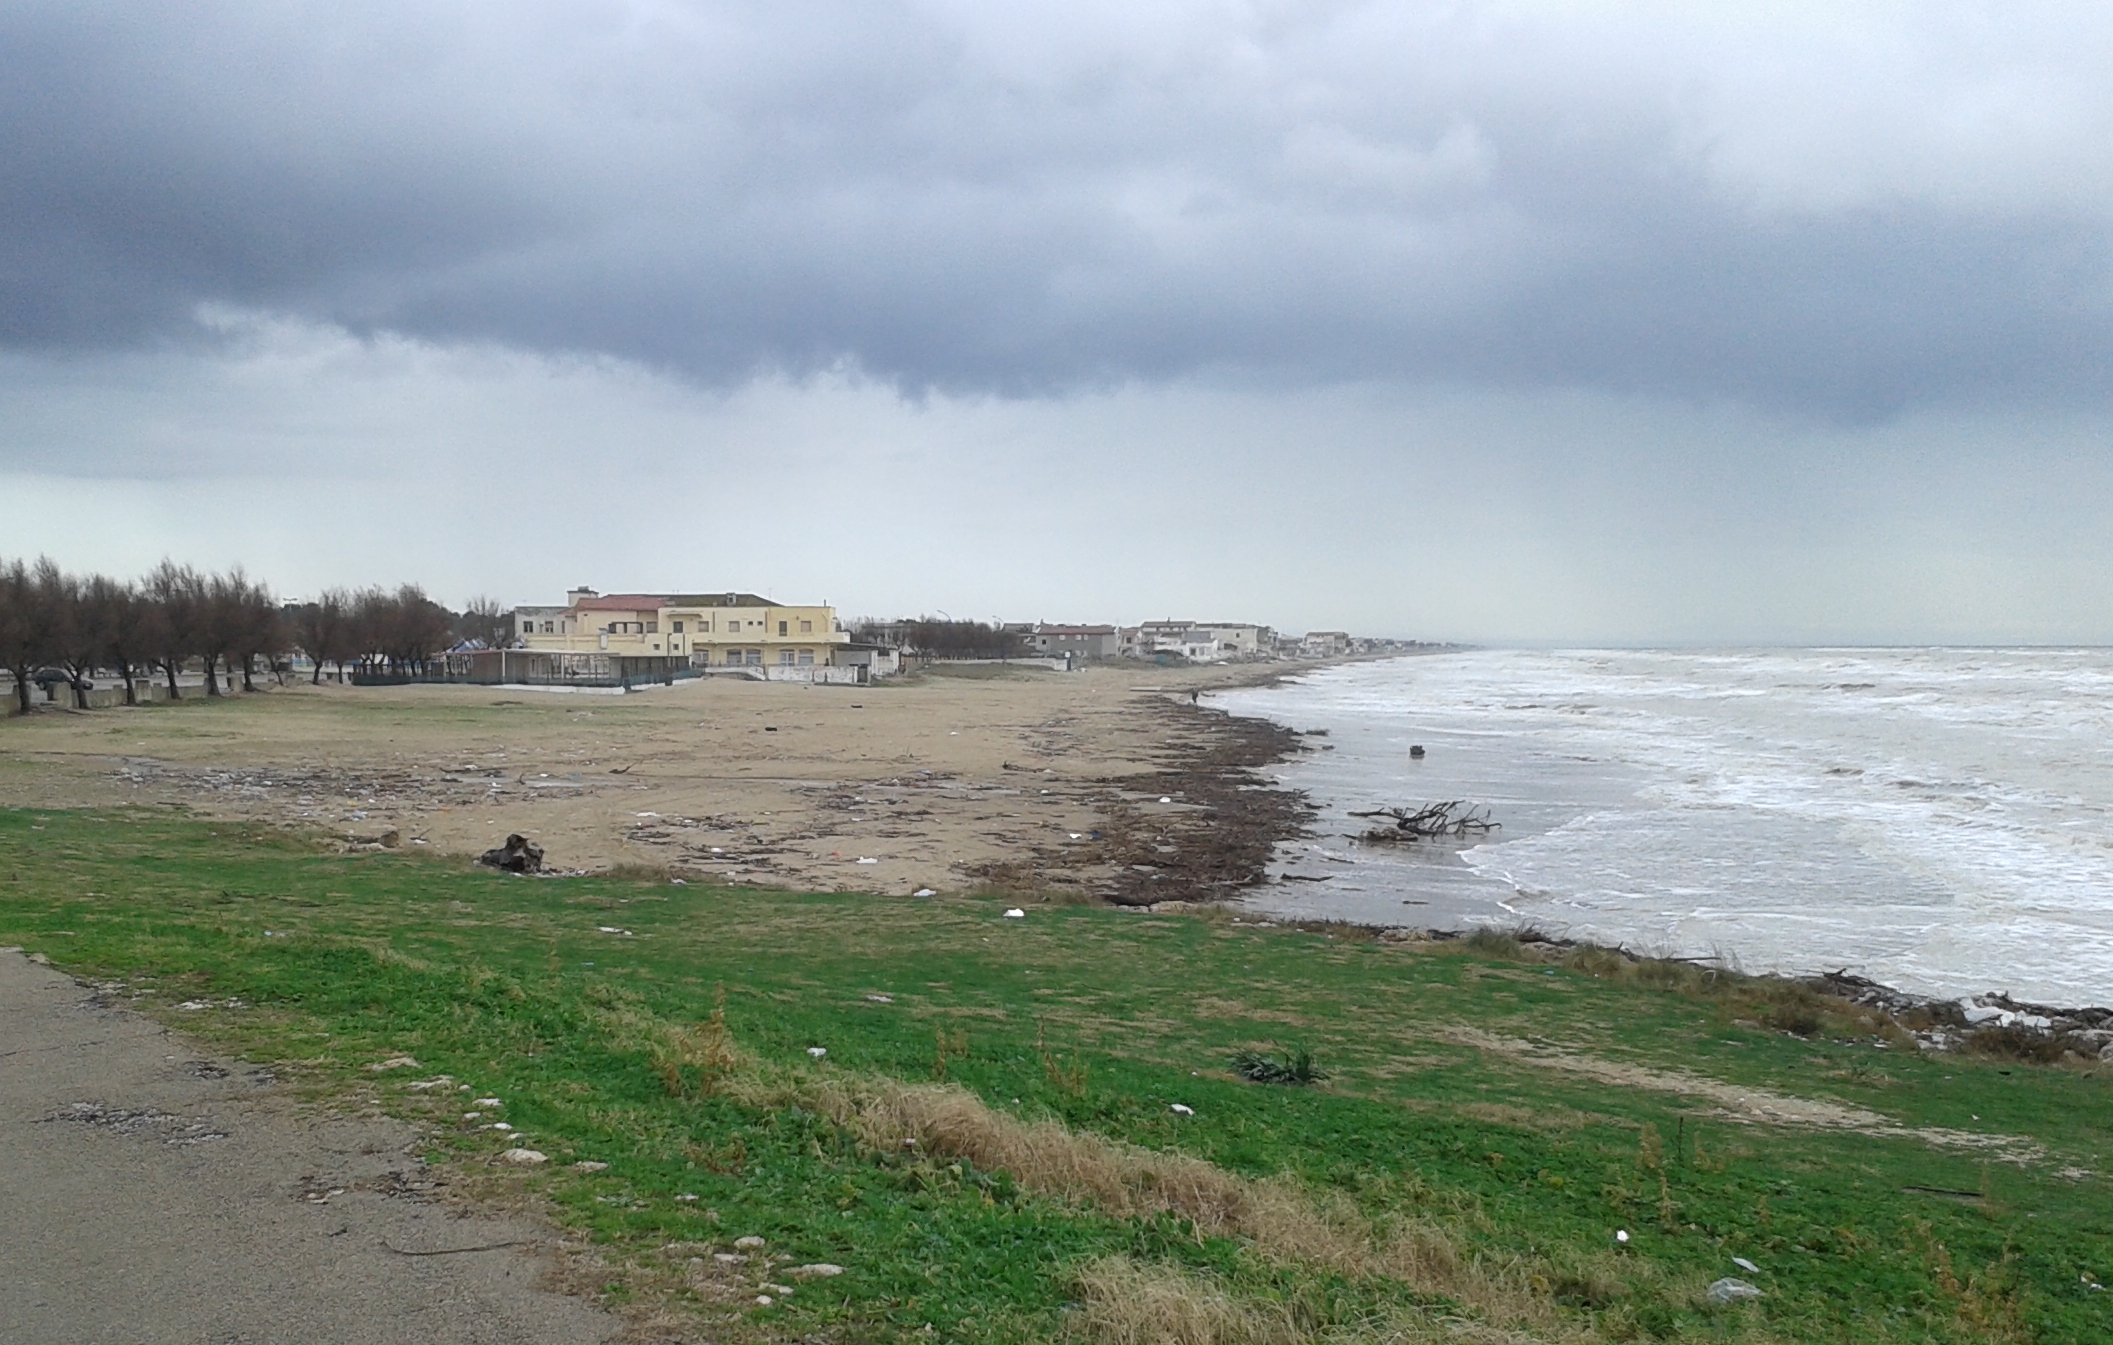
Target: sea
[1939,820]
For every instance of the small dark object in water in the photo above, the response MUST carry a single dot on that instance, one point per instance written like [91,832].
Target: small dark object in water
[1297,1067]
[516,856]
[1416,751]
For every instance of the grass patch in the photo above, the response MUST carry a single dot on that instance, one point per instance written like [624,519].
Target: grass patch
[990,1143]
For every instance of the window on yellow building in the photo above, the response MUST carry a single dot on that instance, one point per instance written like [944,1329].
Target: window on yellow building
[806,628]
[782,627]
[675,626]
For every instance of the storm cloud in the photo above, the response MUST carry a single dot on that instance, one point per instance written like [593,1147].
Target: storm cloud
[1846,213]
[1544,320]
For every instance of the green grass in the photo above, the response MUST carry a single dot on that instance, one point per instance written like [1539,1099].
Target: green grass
[1102,1020]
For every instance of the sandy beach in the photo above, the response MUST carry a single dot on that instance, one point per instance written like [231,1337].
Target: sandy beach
[975,776]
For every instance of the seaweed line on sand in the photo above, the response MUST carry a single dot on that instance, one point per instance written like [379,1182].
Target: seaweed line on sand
[1200,827]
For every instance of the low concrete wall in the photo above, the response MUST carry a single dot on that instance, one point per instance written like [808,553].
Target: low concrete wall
[145,690]
[818,674]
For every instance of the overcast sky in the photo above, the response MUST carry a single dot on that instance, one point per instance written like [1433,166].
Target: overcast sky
[1545,320]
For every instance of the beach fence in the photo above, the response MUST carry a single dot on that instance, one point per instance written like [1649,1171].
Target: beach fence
[145,691]
[541,668]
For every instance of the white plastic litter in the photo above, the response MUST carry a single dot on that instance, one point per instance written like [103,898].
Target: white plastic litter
[1621,1236]
[818,1051]
[1746,1265]
[864,860]
[1179,1110]
[924,892]
[1015,913]
[1728,1290]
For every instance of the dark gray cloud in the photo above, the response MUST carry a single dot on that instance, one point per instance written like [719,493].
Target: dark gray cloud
[1847,215]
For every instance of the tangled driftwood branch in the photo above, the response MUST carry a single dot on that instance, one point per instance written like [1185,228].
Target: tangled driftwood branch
[1455,817]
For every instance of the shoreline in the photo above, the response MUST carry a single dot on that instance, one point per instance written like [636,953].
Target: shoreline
[1951,1023]
[1969,1013]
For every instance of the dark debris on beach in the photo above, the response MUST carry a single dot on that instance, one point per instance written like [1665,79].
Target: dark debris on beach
[1201,828]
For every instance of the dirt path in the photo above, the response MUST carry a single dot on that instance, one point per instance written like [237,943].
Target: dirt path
[153,1193]
[1742,1102]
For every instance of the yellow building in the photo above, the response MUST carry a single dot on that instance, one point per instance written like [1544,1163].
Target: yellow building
[710,629]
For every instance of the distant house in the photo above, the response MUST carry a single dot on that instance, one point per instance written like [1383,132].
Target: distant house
[1079,643]
[709,629]
[541,621]
[879,660]
[1206,641]
[1181,638]
[1324,644]
[1238,639]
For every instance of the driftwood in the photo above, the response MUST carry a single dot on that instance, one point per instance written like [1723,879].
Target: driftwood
[1456,817]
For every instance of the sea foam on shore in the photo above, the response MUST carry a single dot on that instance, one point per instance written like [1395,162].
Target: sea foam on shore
[1936,819]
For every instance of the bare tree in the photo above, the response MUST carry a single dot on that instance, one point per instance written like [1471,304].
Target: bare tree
[370,623]
[119,616]
[176,593]
[254,625]
[934,638]
[219,622]
[485,623]
[325,630]
[76,644]
[419,628]
[25,629]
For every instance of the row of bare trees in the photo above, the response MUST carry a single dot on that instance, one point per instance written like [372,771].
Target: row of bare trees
[933,637]
[374,629]
[57,627]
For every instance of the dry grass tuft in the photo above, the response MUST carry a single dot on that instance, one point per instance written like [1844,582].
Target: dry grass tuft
[1280,1218]
[696,1057]
[692,1059]
[1043,1156]
[1125,1303]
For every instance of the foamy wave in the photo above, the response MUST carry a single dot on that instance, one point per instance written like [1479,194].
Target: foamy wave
[1940,819]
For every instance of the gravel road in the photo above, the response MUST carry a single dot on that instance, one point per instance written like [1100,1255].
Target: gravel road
[154,1193]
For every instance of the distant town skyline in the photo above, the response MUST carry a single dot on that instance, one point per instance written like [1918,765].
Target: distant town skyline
[1500,322]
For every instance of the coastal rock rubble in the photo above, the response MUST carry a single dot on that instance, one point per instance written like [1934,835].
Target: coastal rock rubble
[1953,1023]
